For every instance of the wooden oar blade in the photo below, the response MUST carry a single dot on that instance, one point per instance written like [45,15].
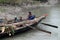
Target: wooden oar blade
[50,25]
[45,31]
[40,29]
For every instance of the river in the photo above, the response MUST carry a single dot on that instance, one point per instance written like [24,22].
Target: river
[52,18]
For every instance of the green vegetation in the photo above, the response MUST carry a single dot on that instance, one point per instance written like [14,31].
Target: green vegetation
[7,1]
[13,2]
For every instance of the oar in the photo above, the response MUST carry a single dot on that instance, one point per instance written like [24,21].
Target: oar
[40,29]
[50,25]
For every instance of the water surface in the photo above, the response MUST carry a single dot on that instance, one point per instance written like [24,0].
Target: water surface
[52,18]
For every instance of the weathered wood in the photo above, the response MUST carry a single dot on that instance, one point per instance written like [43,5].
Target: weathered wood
[25,24]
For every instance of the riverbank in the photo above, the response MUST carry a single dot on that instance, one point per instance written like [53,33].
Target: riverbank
[13,11]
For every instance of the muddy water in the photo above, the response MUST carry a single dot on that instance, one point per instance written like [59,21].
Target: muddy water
[52,18]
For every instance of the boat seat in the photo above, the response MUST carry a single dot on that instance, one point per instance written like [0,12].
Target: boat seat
[0,31]
[1,26]
[20,25]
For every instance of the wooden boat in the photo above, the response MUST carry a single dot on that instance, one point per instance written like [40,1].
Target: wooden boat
[15,27]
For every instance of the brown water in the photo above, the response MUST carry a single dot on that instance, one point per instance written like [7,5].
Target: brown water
[52,18]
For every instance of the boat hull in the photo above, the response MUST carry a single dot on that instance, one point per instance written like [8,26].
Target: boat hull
[23,29]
